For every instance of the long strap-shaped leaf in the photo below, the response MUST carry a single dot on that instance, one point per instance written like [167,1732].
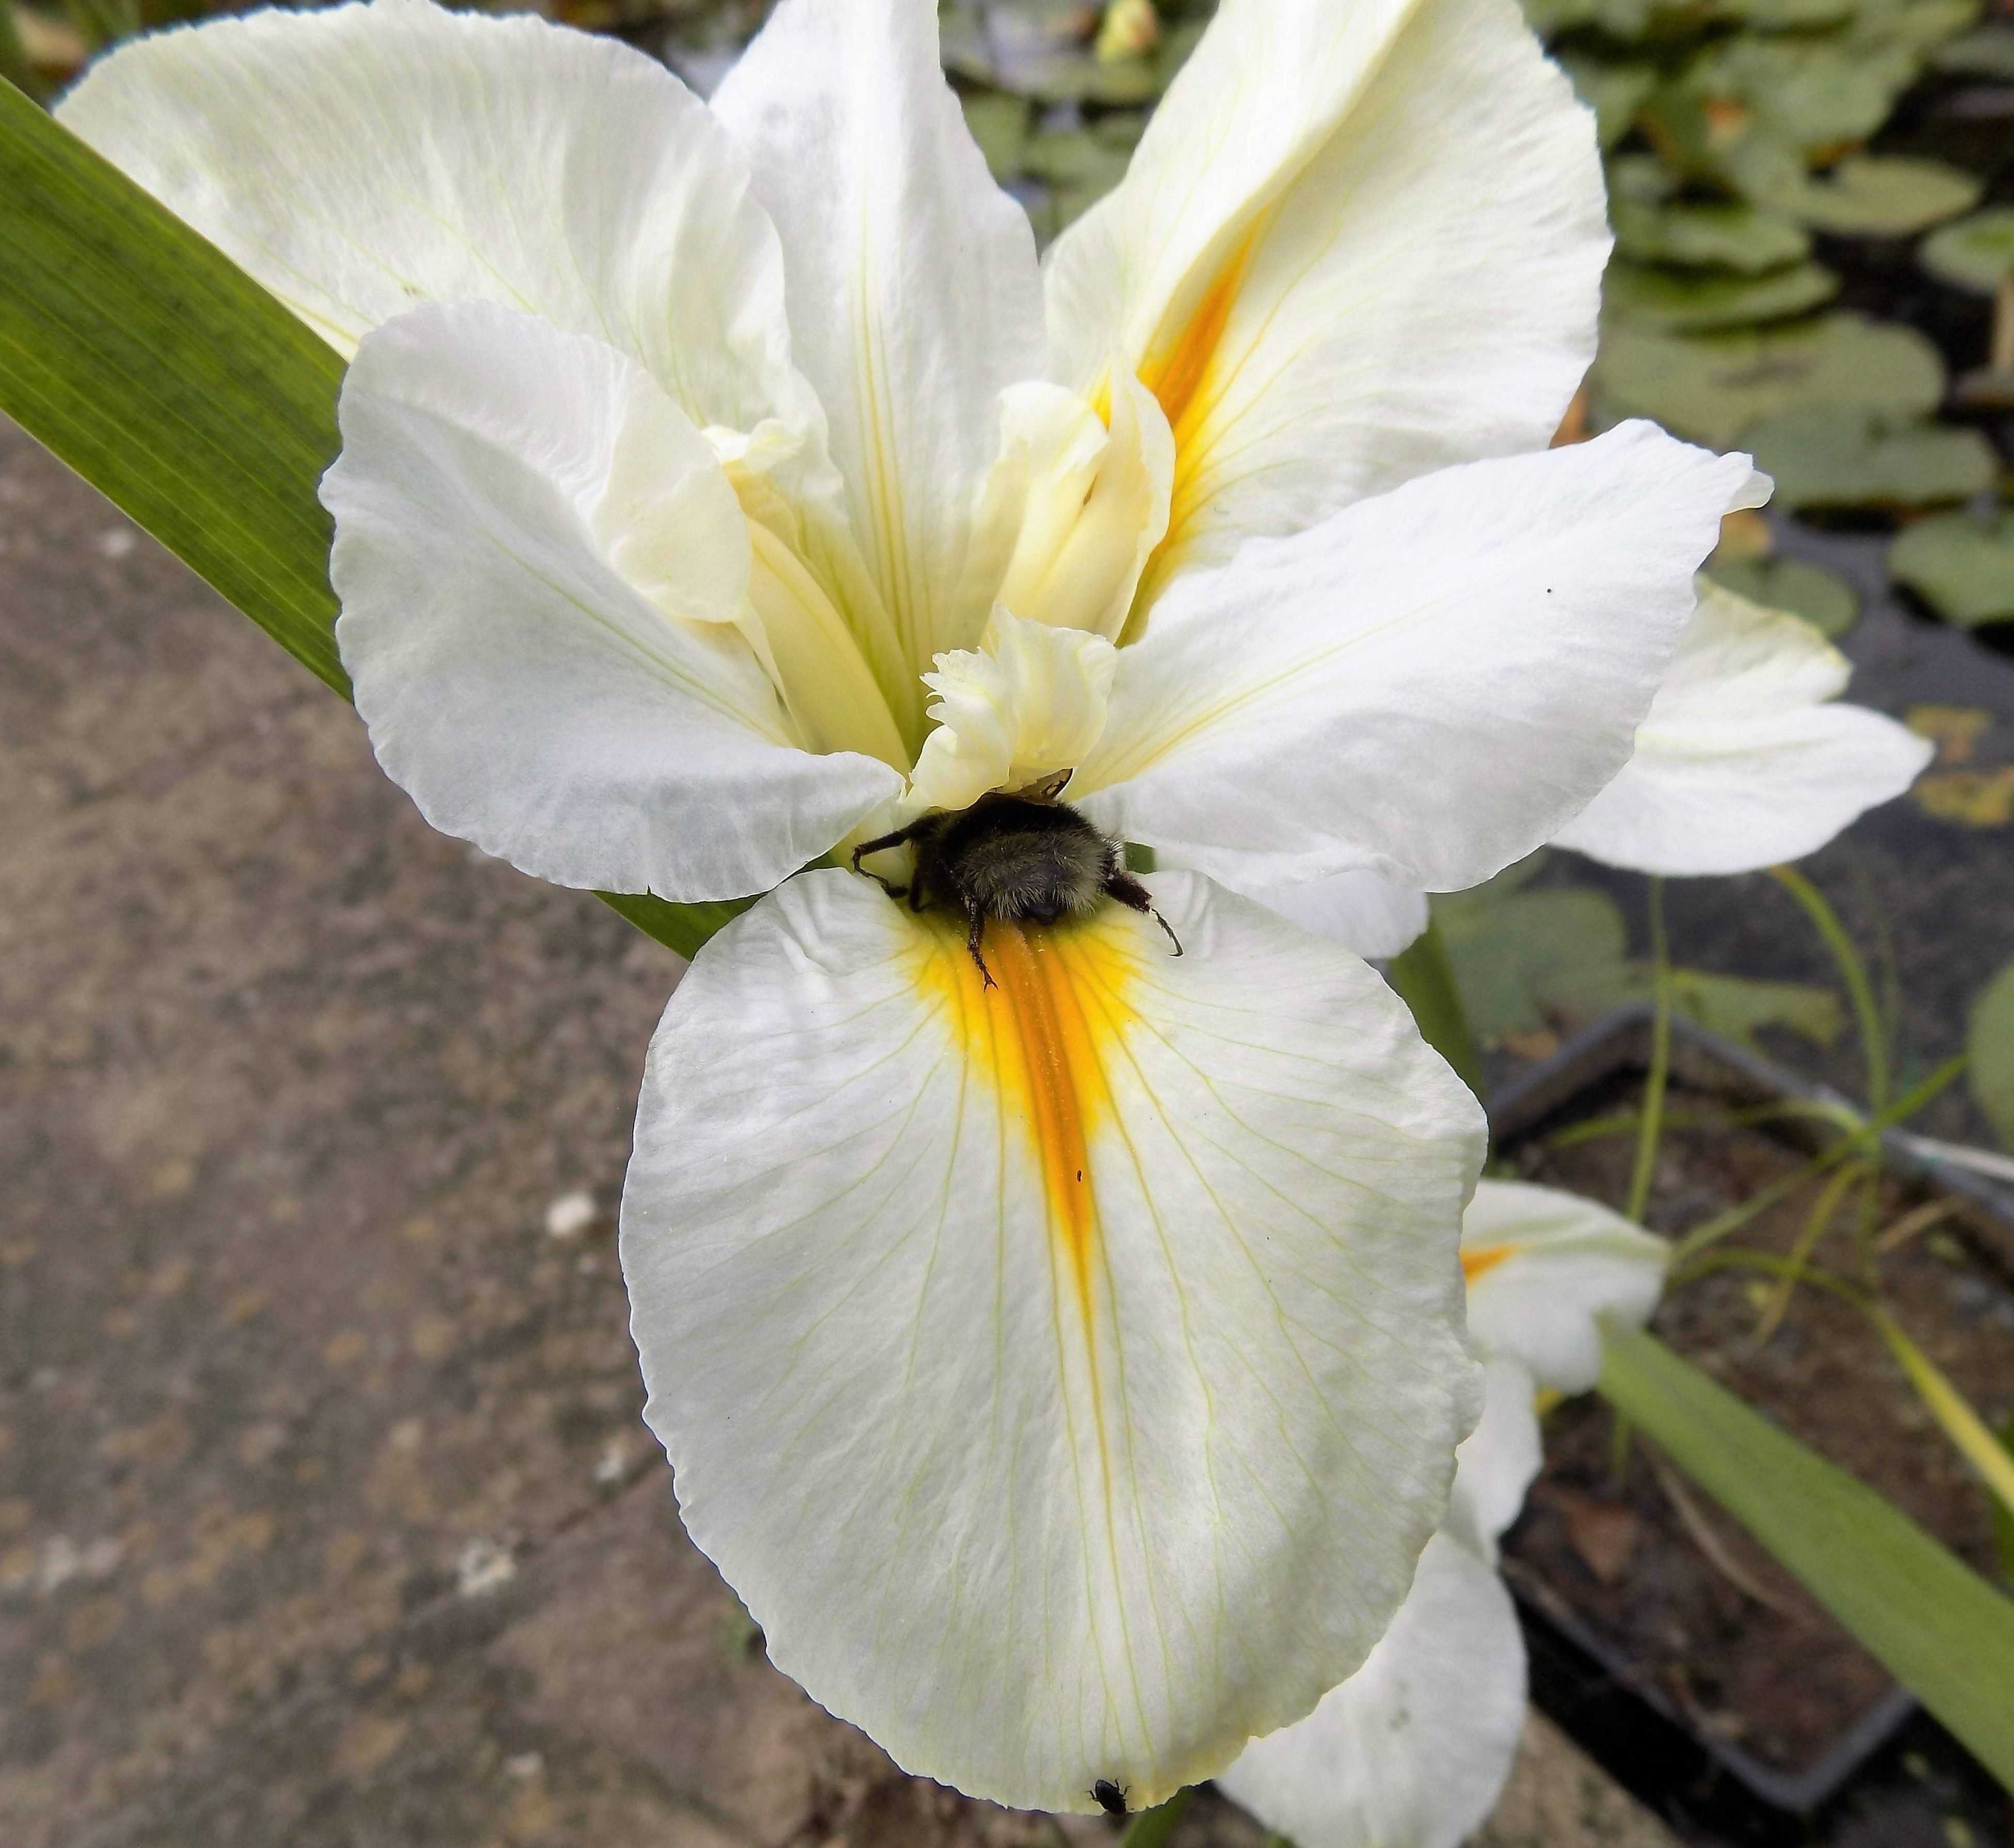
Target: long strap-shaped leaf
[1938,1627]
[172,382]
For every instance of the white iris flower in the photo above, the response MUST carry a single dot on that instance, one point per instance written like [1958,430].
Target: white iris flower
[1066,1370]
[1413,1750]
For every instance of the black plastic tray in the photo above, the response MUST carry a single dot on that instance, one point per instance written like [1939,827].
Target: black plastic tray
[1579,1679]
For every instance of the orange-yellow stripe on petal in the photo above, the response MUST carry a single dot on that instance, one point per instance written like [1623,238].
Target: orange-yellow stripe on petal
[1041,1036]
[1177,371]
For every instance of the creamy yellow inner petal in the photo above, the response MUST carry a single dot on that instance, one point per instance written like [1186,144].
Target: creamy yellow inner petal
[819,667]
[1041,1040]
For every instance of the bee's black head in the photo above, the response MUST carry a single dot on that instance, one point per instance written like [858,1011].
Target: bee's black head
[1110,1797]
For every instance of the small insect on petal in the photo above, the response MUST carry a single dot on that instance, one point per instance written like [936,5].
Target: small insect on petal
[1111,1797]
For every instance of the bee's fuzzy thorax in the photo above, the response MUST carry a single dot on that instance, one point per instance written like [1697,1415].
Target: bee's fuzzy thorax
[1021,857]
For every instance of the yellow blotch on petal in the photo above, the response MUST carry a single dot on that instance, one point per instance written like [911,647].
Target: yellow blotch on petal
[1479,1261]
[1041,1036]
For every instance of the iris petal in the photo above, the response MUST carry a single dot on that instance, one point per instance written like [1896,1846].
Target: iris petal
[1066,1372]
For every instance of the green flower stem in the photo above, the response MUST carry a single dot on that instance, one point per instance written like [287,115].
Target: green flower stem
[1661,1058]
[1853,971]
[1425,979]
[1151,1827]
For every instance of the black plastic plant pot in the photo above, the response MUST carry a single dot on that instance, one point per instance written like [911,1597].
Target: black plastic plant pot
[1660,1637]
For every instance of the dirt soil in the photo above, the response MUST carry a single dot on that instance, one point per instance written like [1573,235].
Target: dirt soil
[1650,1563]
[327,1516]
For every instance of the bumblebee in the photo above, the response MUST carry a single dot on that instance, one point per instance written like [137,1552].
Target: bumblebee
[1023,856]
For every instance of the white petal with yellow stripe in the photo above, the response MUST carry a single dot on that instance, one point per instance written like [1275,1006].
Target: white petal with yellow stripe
[1545,1270]
[1066,1373]
[1357,242]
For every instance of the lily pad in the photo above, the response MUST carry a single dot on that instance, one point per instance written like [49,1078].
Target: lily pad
[1976,253]
[1840,456]
[1955,730]
[1524,959]
[1789,16]
[1613,91]
[1884,195]
[1624,20]
[1989,51]
[1514,952]
[1961,566]
[1967,798]
[1990,1043]
[1074,157]
[1822,597]
[1696,301]
[1907,28]
[1641,178]
[1734,235]
[1711,387]
[1811,93]
[999,124]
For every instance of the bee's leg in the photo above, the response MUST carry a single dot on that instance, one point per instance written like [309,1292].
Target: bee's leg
[1129,891]
[973,939]
[898,838]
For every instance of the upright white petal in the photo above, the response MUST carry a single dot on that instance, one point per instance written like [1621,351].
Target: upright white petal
[1741,762]
[1066,1373]
[1427,685]
[1545,1270]
[542,567]
[1357,242]
[1412,1751]
[1030,701]
[361,159]
[914,297]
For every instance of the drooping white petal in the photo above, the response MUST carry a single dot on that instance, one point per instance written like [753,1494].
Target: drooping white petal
[362,159]
[1545,1270]
[1497,1460]
[914,297]
[1413,1750]
[542,567]
[1031,699]
[1742,763]
[1360,911]
[1066,1373]
[1357,242]
[1427,685]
